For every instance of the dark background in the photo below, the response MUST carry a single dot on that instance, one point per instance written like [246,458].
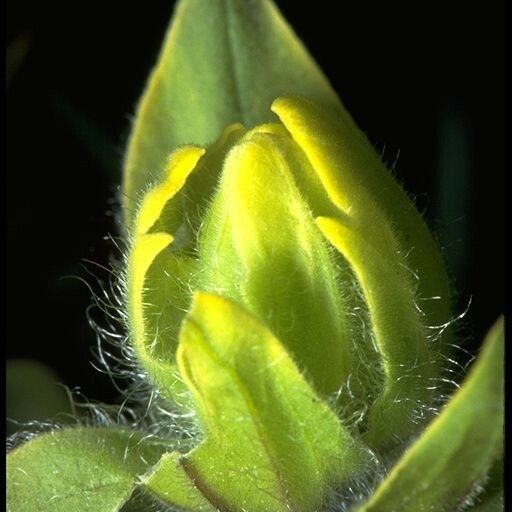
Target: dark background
[427,80]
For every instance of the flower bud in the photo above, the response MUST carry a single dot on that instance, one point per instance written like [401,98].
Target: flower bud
[300,224]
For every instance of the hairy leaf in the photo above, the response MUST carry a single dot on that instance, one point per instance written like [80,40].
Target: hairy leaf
[78,469]
[452,457]
[171,483]
[271,444]
[223,61]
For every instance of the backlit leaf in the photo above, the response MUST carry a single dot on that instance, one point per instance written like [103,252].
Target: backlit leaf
[222,62]
[78,469]
[271,444]
[452,457]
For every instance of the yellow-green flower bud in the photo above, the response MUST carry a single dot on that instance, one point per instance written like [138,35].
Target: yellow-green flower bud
[280,284]
[300,224]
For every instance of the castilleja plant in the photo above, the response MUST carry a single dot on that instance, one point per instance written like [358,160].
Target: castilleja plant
[285,304]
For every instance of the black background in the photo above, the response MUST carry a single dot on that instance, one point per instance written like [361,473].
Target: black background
[399,70]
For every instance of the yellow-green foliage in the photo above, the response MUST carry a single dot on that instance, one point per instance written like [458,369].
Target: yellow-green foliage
[281,289]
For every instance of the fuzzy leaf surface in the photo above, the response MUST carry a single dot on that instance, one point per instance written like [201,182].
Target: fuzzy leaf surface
[385,229]
[170,483]
[222,62]
[454,454]
[79,469]
[270,443]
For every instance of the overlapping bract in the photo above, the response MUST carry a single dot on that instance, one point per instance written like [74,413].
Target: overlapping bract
[280,277]
[301,225]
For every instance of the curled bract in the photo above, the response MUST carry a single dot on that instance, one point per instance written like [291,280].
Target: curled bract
[299,224]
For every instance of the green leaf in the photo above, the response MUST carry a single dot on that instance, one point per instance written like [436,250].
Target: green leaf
[222,62]
[271,444]
[79,469]
[444,466]
[143,501]
[170,482]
